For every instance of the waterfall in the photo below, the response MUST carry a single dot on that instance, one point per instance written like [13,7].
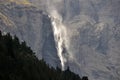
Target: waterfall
[59,31]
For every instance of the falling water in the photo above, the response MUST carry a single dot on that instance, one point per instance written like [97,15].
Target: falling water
[59,35]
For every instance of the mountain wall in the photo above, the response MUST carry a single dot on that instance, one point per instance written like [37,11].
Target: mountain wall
[31,25]
[88,33]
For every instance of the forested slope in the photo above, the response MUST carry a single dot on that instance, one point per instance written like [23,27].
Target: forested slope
[18,62]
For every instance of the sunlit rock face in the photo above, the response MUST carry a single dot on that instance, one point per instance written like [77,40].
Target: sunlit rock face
[88,33]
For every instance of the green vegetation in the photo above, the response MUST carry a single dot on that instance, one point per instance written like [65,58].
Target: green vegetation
[18,62]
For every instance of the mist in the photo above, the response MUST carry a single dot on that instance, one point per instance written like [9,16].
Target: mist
[59,31]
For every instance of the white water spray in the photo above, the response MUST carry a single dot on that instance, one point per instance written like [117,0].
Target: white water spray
[59,35]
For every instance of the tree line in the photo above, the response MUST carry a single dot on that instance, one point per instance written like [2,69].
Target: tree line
[18,62]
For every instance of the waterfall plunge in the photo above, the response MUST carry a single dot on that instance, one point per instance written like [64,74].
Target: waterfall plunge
[59,31]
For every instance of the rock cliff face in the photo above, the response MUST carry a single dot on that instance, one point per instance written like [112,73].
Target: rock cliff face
[92,44]
[31,25]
